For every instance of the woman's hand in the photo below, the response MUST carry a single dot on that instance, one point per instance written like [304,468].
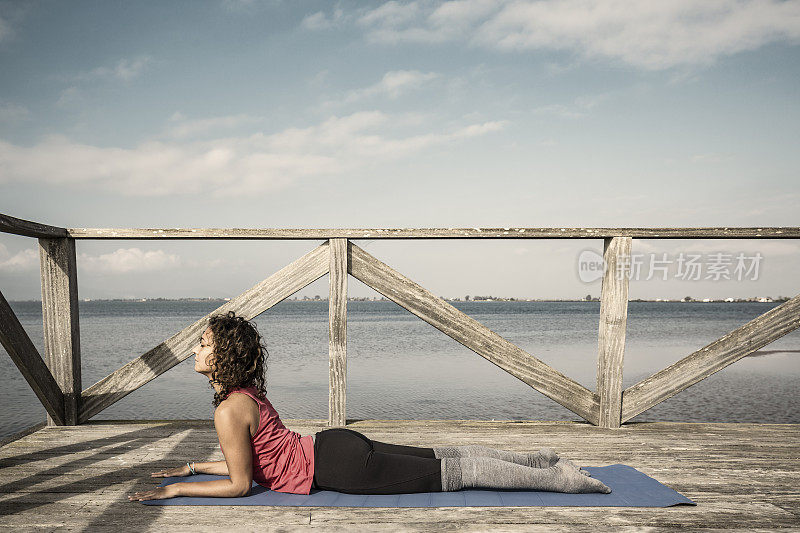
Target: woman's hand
[158,493]
[173,472]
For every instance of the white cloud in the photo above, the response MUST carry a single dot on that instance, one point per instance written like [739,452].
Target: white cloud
[391,14]
[649,35]
[321,78]
[396,82]
[126,260]
[153,168]
[125,69]
[462,13]
[182,128]
[392,84]
[22,261]
[559,110]
[120,261]
[321,21]
[475,130]
[317,21]
[579,108]
[426,22]
[224,167]
[69,97]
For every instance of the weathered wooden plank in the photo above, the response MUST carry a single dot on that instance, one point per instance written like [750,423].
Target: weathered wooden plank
[62,341]
[613,321]
[790,232]
[172,351]
[9,440]
[713,357]
[472,334]
[337,333]
[18,226]
[30,364]
[91,516]
[121,515]
[750,487]
[715,514]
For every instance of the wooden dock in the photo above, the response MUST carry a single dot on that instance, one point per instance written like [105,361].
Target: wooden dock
[75,473]
[742,476]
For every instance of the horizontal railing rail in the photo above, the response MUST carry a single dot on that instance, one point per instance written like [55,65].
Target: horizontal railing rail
[56,378]
[18,226]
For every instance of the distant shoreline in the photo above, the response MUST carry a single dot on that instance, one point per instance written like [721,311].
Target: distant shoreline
[757,299]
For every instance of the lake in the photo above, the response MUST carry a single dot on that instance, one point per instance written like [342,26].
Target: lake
[399,367]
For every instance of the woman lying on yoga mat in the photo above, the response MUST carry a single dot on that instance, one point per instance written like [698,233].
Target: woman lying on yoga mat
[257,446]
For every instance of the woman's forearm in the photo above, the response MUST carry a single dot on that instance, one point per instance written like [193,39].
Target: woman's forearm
[221,488]
[219,468]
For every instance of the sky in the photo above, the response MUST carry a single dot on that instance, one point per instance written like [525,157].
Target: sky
[469,113]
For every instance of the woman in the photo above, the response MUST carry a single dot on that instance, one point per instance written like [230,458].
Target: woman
[257,446]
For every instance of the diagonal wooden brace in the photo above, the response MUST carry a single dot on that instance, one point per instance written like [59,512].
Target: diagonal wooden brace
[177,348]
[473,334]
[25,355]
[724,351]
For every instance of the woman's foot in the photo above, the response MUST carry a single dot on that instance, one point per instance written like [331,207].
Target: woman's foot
[571,480]
[488,472]
[573,465]
[544,458]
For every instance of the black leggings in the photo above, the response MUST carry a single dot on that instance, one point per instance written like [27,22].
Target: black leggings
[347,461]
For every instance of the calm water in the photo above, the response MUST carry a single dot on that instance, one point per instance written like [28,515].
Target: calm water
[399,367]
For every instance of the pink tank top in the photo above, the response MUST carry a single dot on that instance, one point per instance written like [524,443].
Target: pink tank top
[283,461]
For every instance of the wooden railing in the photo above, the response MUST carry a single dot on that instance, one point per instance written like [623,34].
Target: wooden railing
[56,380]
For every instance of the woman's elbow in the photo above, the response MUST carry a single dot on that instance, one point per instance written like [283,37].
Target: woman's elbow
[241,492]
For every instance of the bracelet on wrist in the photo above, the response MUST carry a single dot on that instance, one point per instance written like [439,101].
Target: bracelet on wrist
[191,467]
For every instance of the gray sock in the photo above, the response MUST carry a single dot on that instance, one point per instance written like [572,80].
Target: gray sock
[573,465]
[488,472]
[544,458]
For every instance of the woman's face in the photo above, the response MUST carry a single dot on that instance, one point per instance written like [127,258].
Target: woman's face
[204,354]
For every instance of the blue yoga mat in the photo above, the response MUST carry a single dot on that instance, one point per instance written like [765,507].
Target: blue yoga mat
[629,488]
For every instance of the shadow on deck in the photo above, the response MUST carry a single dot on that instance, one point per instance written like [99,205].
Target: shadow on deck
[742,476]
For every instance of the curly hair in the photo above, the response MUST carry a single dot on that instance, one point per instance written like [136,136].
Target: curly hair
[240,356]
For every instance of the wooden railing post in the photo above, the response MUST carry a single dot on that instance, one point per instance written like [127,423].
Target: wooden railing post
[611,338]
[60,318]
[337,333]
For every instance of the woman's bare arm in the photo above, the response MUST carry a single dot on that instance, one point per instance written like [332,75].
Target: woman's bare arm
[233,430]
[219,468]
